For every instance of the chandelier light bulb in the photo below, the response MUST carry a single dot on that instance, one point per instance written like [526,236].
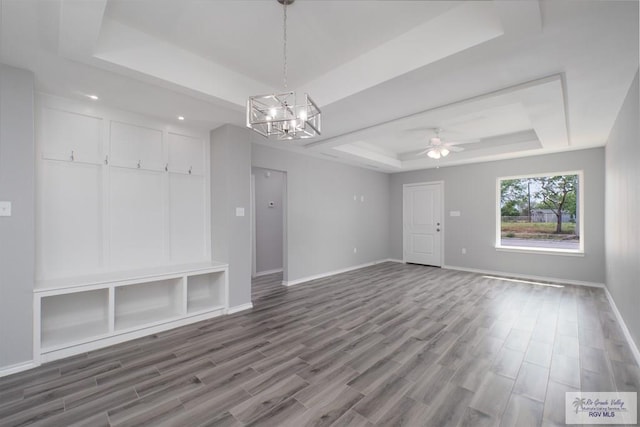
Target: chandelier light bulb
[444,152]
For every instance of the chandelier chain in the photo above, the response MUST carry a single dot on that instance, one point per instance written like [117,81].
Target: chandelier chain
[284,36]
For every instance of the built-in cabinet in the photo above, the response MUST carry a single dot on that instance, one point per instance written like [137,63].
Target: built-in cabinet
[92,312]
[123,228]
[117,192]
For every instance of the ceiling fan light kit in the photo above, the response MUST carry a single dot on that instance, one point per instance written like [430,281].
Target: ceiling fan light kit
[437,152]
[437,148]
[278,115]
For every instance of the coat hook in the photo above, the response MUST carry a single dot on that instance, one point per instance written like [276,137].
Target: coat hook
[106,160]
[139,161]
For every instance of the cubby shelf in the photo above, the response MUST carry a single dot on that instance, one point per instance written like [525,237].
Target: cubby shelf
[76,334]
[147,303]
[100,310]
[202,295]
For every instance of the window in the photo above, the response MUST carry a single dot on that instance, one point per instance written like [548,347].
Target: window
[540,213]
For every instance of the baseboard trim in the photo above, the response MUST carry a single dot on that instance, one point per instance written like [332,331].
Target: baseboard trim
[267,272]
[334,272]
[18,367]
[239,308]
[625,330]
[526,276]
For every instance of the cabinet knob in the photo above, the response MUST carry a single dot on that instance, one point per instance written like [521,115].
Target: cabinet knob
[166,167]
[139,162]
[190,169]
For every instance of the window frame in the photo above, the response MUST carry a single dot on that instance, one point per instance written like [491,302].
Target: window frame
[526,249]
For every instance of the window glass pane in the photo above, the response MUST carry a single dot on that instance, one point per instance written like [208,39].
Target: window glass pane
[540,212]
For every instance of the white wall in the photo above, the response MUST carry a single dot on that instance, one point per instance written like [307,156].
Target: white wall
[324,222]
[471,189]
[17,232]
[622,212]
[231,189]
[269,186]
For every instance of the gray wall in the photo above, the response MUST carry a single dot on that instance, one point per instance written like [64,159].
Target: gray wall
[471,189]
[17,233]
[622,212]
[230,189]
[324,223]
[269,186]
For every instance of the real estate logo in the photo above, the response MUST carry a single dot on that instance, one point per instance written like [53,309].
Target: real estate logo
[601,408]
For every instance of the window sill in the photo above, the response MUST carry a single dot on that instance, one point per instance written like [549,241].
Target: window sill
[542,251]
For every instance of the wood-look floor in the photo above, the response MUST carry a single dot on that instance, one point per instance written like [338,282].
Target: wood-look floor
[386,345]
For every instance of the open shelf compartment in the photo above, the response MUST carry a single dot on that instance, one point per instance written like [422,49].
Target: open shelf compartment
[147,303]
[70,318]
[206,291]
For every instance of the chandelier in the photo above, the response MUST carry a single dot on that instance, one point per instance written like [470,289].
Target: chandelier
[278,115]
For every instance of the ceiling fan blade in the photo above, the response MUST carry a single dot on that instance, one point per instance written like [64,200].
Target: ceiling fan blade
[454,149]
[424,151]
[469,141]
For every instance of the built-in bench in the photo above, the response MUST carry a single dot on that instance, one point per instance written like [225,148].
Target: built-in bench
[79,314]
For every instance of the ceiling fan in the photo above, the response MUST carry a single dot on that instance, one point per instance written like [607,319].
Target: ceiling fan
[438,148]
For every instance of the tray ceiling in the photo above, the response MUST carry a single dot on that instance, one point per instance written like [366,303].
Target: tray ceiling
[521,78]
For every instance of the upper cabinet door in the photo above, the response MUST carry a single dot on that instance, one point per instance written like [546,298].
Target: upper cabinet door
[186,154]
[71,136]
[136,147]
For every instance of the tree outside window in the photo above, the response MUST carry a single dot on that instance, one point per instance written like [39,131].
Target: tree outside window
[540,212]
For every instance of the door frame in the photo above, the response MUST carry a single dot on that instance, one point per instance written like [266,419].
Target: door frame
[253,224]
[285,208]
[443,227]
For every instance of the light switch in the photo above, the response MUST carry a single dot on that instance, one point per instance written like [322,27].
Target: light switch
[5,208]
[239,211]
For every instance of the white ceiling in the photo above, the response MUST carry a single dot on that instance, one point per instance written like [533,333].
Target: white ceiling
[519,77]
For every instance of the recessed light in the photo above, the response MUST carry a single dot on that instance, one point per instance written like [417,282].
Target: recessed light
[94,97]
[180,118]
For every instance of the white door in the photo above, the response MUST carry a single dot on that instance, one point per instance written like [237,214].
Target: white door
[422,223]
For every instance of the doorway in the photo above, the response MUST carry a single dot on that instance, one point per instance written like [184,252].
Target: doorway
[268,211]
[422,223]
